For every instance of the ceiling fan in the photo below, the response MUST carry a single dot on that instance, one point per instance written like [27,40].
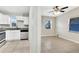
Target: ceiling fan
[58,9]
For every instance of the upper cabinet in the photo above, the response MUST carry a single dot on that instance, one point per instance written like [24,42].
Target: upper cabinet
[26,20]
[1,18]
[4,19]
[19,18]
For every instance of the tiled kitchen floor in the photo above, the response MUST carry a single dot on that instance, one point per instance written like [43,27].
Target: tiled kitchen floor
[17,46]
[58,45]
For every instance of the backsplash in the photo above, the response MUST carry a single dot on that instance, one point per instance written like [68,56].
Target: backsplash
[4,26]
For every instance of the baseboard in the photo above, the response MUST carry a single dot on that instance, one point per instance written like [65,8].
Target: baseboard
[49,35]
[64,37]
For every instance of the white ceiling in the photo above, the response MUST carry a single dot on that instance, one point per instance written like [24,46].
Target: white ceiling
[24,10]
[46,9]
[15,10]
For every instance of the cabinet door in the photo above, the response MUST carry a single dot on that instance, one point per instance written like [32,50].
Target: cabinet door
[6,19]
[13,35]
[26,20]
[19,18]
[1,19]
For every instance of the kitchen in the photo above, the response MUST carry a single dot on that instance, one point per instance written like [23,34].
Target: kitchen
[20,27]
[14,26]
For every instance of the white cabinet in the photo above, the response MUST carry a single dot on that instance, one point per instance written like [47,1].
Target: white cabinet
[19,18]
[26,20]
[4,19]
[1,18]
[13,35]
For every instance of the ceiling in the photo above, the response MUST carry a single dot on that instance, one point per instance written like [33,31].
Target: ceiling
[46,9]
[24,10]
[15,10]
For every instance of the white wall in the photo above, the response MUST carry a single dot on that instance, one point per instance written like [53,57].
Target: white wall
[49,32]
[35,29]
[62,25]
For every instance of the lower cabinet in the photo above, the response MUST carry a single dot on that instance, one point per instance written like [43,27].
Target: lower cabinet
[13,35]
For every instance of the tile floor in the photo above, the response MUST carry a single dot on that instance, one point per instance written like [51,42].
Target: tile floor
[58,45]
[19,46]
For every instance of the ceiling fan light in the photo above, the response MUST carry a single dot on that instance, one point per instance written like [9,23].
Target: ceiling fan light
[56,13]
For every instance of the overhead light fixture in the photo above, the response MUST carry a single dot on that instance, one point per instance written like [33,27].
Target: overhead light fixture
[56,13]
[57,10]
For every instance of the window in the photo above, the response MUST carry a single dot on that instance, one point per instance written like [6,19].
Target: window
[74,24]
[13,21]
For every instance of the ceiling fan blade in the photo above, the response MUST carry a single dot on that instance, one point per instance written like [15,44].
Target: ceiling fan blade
[64,7]
[62,11]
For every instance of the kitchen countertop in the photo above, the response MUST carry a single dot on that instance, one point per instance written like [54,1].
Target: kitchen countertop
[4,29]
[1,30]
[16,29]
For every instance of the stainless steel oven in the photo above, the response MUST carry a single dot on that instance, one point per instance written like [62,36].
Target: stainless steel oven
[24,34]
